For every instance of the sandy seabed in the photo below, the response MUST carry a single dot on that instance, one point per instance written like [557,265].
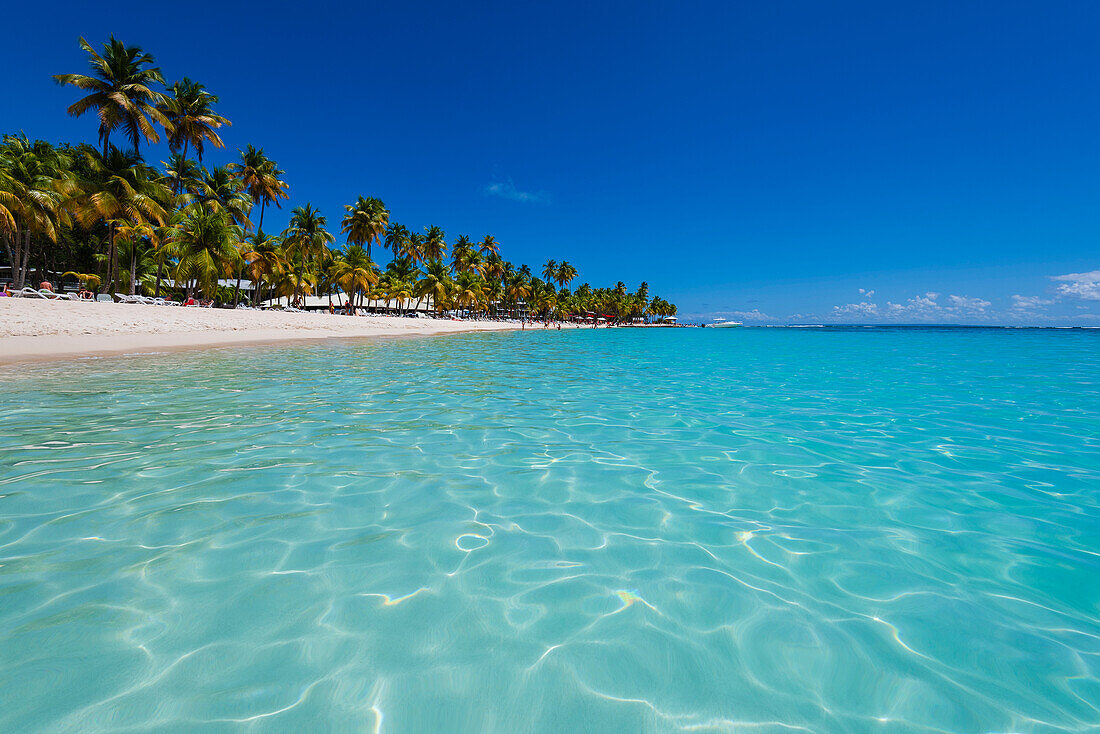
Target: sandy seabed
[36,329]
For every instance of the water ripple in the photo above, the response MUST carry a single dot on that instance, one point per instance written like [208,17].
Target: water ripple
[754,530]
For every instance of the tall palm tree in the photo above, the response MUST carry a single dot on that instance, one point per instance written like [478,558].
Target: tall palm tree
[462,253]
[489,246]
[416,248]
[305,238]
[189,110]
[222,191]
[565,274]
[122,93]
[121,187]
[494,267]
[550,269]
[435,243]
[260,177]
[184,173]
[396,239]
[365,221]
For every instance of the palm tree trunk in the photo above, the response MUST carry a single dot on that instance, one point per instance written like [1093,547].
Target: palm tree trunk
[133,269]
[26,255]
[263,202]
[11,255]
[112,258]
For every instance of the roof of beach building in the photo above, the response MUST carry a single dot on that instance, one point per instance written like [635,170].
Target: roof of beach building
[339,299]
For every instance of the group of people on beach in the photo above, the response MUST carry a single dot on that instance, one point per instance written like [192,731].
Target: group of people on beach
[83,294]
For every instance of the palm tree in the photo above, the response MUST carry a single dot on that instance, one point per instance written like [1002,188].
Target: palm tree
[396,239]
[516,289]
[436,284]
[36,182]
[435,244]
[462,253]
[122,94]
[222,191]
[133,235]
[565,274]
[259,176]
[184,173]
[400,291]
[191,119]
[489,246]
[550,269]
[494,267]
[306,238]
[365,221]
[354,272]
[205,241]
[469,290]
[264,261]
[122,187]
[416,248]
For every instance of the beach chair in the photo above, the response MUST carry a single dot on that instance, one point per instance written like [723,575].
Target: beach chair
[124,298]
[29,292]
[104,298]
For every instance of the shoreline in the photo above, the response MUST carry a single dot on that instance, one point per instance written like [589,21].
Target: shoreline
[35,331]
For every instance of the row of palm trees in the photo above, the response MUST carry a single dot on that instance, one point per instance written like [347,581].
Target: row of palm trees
[113,221]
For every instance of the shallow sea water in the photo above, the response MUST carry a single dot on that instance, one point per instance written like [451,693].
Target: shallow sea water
[830,530]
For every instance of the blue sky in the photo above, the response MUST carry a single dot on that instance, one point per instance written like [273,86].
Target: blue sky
[774,161]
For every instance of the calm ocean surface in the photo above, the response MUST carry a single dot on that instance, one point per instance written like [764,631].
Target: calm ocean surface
[765,530]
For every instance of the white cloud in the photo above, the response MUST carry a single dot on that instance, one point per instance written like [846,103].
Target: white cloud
[753,315]
[866,293]
[963,303]
[917,308]
[1079,285]
[925,307]
[858,309]
[507,190]
[1028,303]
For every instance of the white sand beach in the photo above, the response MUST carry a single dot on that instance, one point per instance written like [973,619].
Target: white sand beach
[34,329]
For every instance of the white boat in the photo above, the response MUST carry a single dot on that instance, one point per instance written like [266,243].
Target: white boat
[723,324]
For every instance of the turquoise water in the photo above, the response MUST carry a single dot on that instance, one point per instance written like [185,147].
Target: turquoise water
[861,530]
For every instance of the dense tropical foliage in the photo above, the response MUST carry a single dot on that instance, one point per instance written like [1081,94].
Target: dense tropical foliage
[105,217]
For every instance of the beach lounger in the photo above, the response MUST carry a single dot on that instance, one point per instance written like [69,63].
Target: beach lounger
[29,293]
[104,298]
